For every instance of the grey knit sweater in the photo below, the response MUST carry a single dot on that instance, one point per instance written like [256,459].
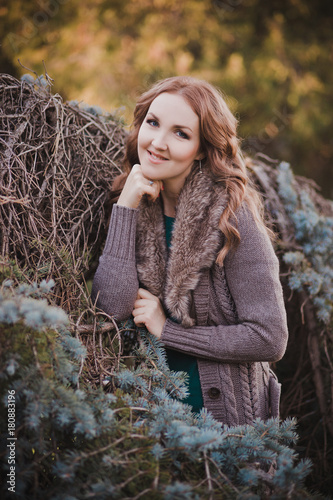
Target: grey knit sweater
[232,318]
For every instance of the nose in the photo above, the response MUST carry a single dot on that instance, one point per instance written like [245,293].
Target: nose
[159,140]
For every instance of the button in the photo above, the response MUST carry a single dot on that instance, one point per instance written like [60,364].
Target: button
[214,393]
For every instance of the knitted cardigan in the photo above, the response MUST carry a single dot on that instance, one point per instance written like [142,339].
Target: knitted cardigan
[231,318]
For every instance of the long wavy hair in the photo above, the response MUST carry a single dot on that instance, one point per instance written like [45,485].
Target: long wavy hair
[219,145]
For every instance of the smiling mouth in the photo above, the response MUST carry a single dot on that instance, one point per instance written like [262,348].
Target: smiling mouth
[156,156]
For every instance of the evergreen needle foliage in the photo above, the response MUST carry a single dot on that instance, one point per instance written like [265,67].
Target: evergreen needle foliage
[312,266]
[75,441]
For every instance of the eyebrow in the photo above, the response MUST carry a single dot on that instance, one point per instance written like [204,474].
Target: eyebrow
[176,126]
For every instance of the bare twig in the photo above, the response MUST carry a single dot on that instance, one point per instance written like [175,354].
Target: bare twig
[58,169]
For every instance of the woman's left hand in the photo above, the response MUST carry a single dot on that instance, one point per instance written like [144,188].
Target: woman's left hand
[148,311]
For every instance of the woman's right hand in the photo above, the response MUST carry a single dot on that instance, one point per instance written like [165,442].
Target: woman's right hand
[136,186]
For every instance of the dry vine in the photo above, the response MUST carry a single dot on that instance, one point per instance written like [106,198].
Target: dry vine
[57,166]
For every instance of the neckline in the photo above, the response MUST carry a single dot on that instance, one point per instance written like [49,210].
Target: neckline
[168,217]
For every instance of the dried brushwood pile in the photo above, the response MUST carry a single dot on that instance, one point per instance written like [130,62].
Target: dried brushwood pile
[57,164]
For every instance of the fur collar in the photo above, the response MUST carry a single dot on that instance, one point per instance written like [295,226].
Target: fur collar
[196,239]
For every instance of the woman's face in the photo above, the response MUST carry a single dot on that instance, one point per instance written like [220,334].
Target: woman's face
[169,139]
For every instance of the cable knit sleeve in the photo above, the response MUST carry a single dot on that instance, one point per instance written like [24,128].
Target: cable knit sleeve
[115,283]
[260,331]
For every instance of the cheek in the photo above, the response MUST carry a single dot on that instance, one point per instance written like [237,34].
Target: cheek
[140,143]
[139,138]
[189,153]
[143,137]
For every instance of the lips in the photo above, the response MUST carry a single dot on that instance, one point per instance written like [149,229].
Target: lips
[155,156]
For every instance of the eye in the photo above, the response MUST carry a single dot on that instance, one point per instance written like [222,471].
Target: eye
[152,122]
[182,134]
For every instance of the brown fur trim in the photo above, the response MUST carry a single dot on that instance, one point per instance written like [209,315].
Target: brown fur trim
[195,243]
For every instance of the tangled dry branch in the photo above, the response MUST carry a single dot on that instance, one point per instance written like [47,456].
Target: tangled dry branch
[57,166]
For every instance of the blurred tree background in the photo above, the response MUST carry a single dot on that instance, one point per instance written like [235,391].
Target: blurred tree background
[274,60]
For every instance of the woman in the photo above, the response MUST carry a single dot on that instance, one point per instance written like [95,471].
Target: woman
[187,252]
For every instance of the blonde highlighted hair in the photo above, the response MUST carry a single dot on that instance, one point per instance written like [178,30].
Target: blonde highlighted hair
[219,146]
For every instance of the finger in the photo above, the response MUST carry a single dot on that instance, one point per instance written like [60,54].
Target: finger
[153,190]
[145,294]
[145,185]
[138,310]
[154,183]
[141,303]
[140,320]
[136,168]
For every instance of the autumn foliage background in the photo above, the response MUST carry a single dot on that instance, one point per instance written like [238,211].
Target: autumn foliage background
[273,60]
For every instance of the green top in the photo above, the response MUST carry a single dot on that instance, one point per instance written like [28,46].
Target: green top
[180,361]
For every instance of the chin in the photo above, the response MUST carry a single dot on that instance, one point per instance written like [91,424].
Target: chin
[151,172]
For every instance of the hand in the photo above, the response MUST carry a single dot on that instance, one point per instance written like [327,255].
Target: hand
[136,186]
[148,311]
